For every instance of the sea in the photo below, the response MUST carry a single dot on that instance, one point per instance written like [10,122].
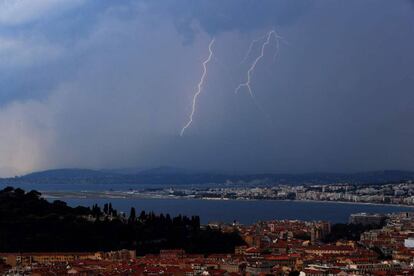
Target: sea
[244,211]
[226,211]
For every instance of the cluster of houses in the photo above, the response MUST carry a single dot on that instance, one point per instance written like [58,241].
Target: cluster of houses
[272,248]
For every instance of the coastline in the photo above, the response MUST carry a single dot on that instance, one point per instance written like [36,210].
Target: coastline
[104,195]
[359,203]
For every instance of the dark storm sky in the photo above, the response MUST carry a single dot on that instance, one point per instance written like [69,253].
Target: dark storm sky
[109,84]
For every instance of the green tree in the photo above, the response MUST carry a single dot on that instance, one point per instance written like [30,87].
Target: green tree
[132,215]
[106,209]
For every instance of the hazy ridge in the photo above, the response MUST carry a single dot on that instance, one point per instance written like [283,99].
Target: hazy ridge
[177,176]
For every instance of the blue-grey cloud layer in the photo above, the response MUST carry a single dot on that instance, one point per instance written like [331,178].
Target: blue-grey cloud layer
[215,17]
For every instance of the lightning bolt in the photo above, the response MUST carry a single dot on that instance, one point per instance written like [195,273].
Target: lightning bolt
[278,39]
[199,87]
[251,48]
[256,61]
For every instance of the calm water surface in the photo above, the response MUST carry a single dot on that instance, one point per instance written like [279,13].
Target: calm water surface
[244,211]
[222,210]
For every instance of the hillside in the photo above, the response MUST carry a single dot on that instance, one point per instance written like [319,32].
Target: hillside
[176,176]
[29,223]
[68,174]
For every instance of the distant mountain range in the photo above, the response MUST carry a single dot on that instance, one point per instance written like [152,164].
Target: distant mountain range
[177,176]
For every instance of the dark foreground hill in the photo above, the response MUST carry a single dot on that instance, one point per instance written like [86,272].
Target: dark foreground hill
[173,176]
[30,223]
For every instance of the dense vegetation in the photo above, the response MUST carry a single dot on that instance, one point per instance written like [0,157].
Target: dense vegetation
[30,223]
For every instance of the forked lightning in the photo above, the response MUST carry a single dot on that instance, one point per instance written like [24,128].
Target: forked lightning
[255,62]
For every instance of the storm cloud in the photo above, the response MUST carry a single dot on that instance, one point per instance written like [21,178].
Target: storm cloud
[233,15]
[109,84]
